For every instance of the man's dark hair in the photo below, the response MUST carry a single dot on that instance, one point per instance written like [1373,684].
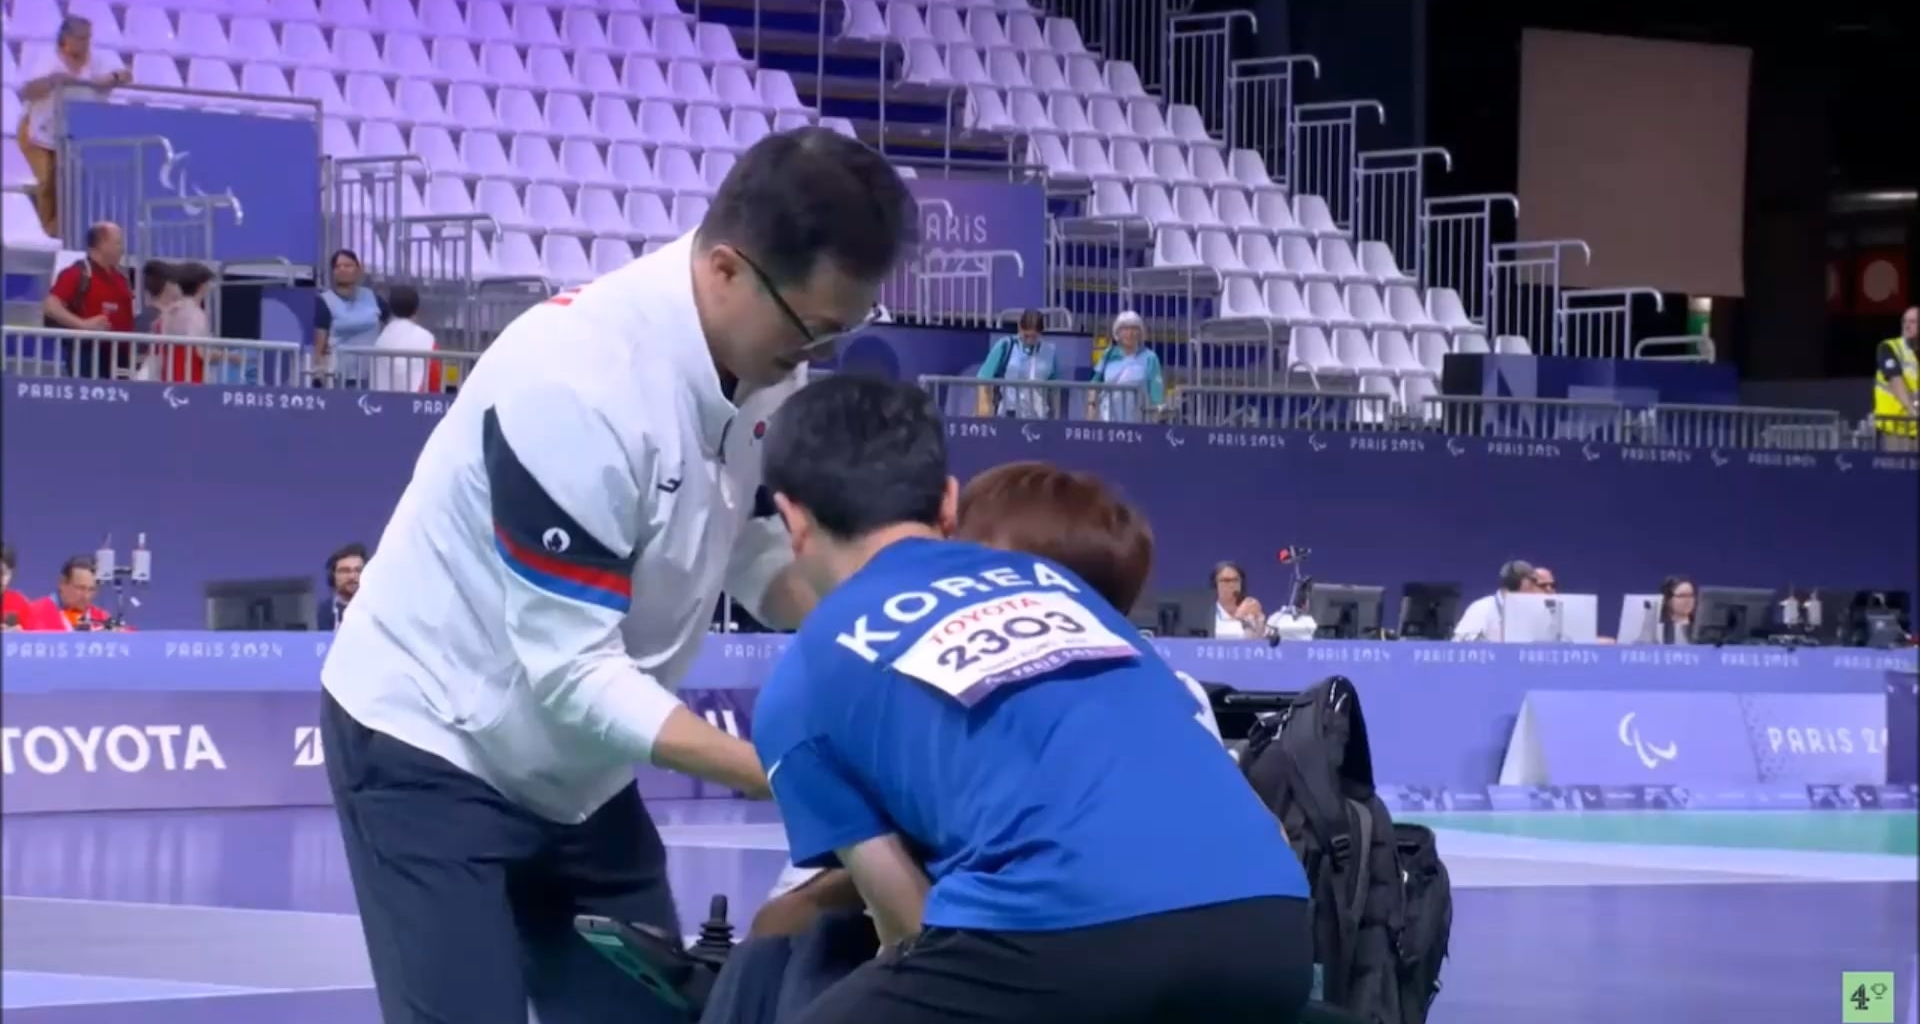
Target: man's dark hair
[353,550]
[1032,320]
[800,196]
[859,453]
[75,564]
[403,301]
[8,558]
[1515,573]
[191,277]
[154,275]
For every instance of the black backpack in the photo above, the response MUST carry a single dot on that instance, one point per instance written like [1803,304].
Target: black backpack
[1382,902]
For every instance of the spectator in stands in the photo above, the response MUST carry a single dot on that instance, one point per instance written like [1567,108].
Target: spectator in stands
[1485,619]
[92,294]
[1673,621]
[13,604]
[349,314]
[343,581]
[1896,379]
[183,314]
[71,606]
[71,62]
[1236,614]
[401,335]
[1024,355]
[1127,360]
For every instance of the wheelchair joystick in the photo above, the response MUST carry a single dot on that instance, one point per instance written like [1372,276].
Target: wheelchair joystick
[716,934]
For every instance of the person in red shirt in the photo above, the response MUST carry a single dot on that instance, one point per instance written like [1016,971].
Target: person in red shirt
[70,607]
[13,604]
[93,295]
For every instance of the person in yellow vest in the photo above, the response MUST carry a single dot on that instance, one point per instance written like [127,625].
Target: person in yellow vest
[1896,378]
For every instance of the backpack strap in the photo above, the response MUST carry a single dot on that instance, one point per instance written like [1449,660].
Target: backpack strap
[1363,860]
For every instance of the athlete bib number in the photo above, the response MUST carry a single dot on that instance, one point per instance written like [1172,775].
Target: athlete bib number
[974,651]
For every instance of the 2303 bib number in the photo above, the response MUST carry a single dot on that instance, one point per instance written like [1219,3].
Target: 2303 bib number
[974,651]
[995,640]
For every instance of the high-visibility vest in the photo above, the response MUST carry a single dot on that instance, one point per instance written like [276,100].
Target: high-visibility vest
[1888,414]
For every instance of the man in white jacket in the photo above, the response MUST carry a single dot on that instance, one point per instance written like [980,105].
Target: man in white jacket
[548,577]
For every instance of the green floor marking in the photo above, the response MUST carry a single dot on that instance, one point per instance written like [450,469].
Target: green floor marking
[1891,832]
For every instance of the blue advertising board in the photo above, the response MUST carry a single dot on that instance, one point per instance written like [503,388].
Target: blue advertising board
[1616,737]
[1699,738]
[192,710]
[234,483]
[269,167]
[1440,713]
[978,227]
[1826,738]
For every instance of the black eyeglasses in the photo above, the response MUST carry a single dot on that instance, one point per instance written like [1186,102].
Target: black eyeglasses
[817,342]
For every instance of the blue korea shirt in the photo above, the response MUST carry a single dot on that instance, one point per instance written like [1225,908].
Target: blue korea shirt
[1044,762]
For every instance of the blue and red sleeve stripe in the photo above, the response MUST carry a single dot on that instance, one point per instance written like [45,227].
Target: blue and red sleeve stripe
[540,541]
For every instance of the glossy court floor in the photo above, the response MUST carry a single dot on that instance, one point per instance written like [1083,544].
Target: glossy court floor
[246,917]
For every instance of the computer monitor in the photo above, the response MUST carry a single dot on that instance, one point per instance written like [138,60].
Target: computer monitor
[260,605]
[1428,611]
[1877,618]
[1578,619]
[1548,618]
[1639,613]
[1732,615]
[1343,611]
[1183,614]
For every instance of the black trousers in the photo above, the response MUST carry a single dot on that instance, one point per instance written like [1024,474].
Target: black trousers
[467,900]
[1246,962]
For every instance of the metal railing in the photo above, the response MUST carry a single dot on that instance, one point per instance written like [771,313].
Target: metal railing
[122,179]
[973,397]
[1390,199]
[1598,323]
[1456,246]
[1261,95]
[1323,152]
[58,353]
[1279,408]
[408,371]
[1198,65]
[48,352]
[1088,260]
[1535,419]
[1525,289]
[1723,426]
[1686,348]
[95,358]
[1135,31]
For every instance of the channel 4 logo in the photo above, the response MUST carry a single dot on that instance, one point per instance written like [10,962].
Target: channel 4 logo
[308,751]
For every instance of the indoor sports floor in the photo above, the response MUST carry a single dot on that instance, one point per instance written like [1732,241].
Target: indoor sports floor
[245,917]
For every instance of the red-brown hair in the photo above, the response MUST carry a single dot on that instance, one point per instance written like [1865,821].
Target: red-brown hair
[1072,518]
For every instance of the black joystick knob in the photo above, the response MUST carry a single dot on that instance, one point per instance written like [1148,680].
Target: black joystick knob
[716,934]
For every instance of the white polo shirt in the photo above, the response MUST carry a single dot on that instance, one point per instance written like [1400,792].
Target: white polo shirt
[550,571]
[41,61]
[1484,620]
